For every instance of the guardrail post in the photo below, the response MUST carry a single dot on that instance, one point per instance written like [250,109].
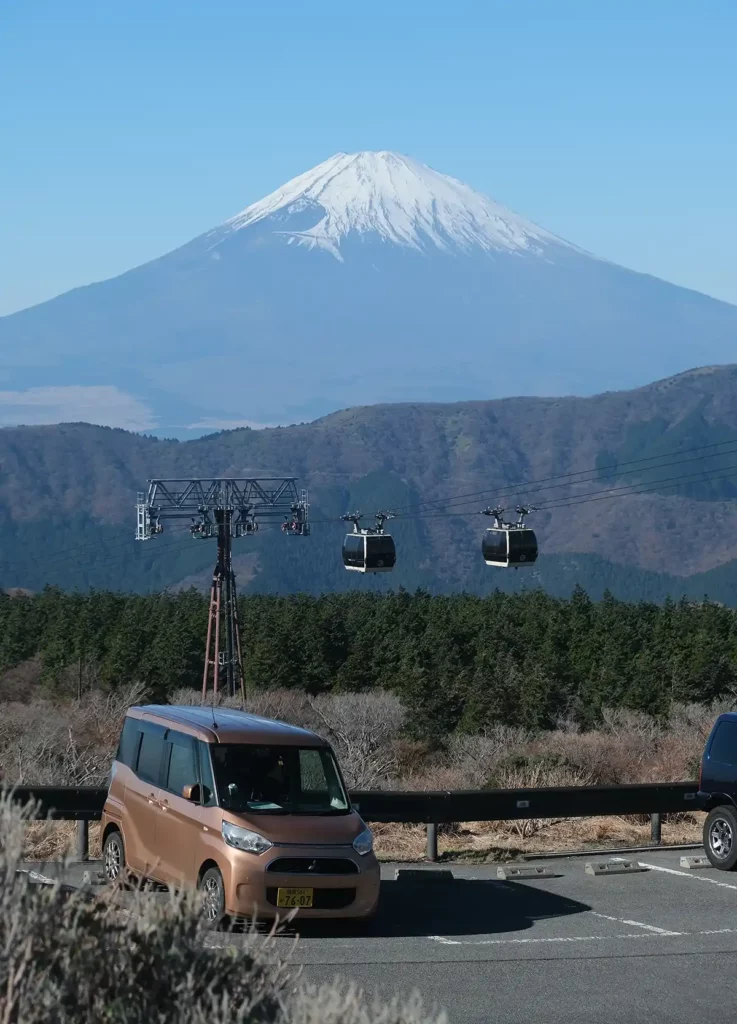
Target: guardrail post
[655,826]
[432,841]
[82,840]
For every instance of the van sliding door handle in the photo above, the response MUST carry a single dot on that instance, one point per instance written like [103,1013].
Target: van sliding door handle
[152,800]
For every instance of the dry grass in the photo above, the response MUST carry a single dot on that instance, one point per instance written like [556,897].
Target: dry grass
[72,743]
[62,743]
[502,840]
[54,840]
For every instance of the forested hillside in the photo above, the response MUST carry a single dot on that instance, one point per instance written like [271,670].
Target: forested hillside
[67,495]
[457,663]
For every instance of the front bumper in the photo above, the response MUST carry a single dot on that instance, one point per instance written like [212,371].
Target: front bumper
[252,888]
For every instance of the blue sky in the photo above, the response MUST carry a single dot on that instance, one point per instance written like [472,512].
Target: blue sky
[128,128]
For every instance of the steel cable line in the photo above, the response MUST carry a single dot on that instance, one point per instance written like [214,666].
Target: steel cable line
[121,560]
[116,544]
[624,488]
[669,482]
[565,481]
[629,472]
[620,492]
[560,501]
[62,558]
[118,560]
[72,553]
[565,478]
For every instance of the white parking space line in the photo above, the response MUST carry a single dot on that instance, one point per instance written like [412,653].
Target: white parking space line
[36,877]
[531,942]
[637,924]
[691,877]
[656,933]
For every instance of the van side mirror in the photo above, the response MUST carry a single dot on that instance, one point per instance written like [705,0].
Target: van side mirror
[192,793]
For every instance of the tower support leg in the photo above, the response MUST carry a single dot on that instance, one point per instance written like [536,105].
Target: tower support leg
[223,645]
[240,677]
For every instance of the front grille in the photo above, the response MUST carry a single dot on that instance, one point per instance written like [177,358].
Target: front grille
[322,899]
[313,866]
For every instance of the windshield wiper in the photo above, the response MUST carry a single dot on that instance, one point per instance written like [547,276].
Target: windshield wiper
[321,812]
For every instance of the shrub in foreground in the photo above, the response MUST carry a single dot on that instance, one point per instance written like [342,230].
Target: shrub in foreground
[65,957]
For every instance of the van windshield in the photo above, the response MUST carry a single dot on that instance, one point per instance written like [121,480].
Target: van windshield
[278,780]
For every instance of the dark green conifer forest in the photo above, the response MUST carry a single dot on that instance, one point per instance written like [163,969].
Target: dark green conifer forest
[457,662]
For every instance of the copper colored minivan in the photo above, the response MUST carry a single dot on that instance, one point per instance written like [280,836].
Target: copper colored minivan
[251,811]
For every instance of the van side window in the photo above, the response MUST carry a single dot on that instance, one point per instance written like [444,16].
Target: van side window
[723,747]
[129,740]
[180,763]
[150,754]
[206,776]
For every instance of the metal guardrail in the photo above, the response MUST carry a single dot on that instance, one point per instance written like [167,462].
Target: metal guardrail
[437,808]
[65,803]
[432,808]
[503,804]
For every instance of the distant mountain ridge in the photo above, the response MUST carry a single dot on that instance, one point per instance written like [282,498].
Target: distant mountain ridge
[369,279]
[67,494]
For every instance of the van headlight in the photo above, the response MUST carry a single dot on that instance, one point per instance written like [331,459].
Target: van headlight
[364,843]
[245,839]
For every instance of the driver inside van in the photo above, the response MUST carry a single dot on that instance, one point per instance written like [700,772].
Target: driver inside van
[268,785]
[251,778]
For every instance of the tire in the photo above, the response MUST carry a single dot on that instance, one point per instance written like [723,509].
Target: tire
[212,889]
[720,838]
[113,859]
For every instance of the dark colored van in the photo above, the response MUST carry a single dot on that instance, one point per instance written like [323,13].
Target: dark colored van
[718,793]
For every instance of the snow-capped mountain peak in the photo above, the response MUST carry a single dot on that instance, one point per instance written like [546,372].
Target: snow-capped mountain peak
[395,198]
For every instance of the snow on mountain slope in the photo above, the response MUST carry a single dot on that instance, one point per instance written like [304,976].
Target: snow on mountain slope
[400,200]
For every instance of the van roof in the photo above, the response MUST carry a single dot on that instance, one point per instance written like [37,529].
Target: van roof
[227,725]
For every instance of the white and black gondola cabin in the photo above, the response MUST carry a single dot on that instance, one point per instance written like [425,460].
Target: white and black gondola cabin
[509,546]
[369,552]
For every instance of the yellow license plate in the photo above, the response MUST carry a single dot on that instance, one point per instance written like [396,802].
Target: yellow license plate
[292,898]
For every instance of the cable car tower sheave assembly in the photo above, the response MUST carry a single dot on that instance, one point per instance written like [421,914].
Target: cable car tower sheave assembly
[223,508]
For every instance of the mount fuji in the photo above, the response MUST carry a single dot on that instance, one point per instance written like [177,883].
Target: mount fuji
[371,278]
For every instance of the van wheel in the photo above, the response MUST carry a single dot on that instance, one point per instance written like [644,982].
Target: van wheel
[113,859]
[213,897]
[720,838]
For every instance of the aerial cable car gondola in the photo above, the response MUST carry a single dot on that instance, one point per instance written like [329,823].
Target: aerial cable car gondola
[369,549]
[297,525]
[509,544]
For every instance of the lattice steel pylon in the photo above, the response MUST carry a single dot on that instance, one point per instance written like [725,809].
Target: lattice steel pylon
[223,508]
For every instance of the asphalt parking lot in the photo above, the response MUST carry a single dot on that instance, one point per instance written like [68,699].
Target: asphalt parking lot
[658,945]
